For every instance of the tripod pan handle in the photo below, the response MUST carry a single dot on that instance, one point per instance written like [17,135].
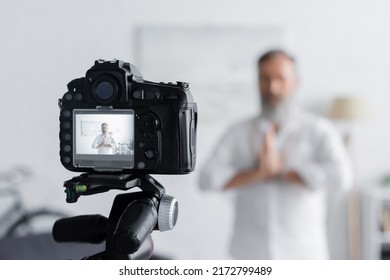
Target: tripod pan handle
[135,225]
[85,228]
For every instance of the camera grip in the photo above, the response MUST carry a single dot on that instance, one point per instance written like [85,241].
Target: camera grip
[134,226]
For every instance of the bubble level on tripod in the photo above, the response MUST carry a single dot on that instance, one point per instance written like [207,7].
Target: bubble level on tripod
[81,188]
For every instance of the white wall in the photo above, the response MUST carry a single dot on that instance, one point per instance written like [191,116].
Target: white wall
[341,46]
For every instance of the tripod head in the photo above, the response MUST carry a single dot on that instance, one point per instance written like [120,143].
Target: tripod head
[132,218]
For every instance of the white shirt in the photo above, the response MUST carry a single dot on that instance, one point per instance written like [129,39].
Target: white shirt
[109,140]
[276,219]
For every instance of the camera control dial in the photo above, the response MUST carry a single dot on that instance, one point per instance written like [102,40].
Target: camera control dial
[148,123]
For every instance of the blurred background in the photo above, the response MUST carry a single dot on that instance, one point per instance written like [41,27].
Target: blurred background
[342,51]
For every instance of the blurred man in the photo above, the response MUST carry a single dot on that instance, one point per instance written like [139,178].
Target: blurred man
[280,163]
[104,142]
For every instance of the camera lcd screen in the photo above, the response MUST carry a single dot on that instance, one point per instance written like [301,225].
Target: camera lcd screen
[103,139]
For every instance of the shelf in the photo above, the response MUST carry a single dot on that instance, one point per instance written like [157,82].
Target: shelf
[374,241]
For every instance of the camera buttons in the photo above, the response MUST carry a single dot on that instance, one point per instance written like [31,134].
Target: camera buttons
[150,154]
[67,137]
[141,144]
[66,113]
[67,148]
[150,95]
[79,96]
[148,123]
[68,96]
[146,94]
[137,94]
[66,125]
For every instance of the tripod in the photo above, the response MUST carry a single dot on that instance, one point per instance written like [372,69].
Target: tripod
[132,218]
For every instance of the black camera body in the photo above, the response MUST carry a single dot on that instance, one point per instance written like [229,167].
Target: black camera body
[112,120]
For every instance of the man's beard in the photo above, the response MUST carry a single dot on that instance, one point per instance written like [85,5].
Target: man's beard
[279,113]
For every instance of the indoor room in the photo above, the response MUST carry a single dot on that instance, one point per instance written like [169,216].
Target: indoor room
[285,154]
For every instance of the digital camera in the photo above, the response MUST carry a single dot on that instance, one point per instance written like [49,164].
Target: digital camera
[112,120]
